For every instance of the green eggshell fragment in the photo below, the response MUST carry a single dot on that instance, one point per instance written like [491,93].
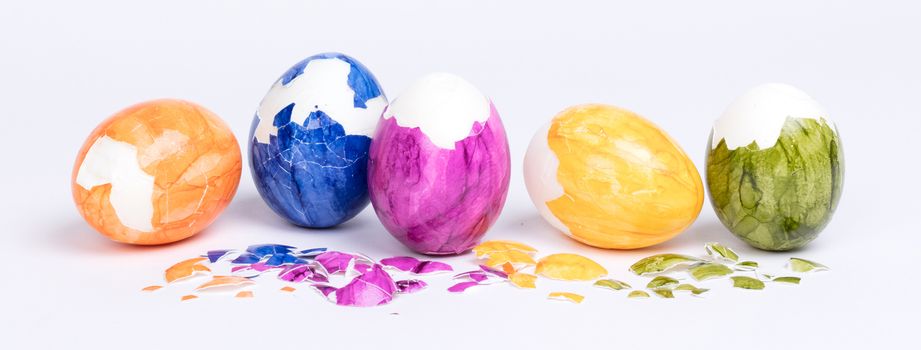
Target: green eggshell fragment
[664,292]
[612,284]
[709,270]
[787,279]
[781,197]
[803,265]
[691,288]
[661,262]
[746,265]
[638,294]
[745,282]
[661,281]
[718,250]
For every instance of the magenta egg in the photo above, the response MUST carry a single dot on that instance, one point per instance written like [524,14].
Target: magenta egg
[438,170]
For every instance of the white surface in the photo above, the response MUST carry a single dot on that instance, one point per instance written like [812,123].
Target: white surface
[110,161]
[443,106]
[68,65]
[539,172]
[759,115]
[323,85]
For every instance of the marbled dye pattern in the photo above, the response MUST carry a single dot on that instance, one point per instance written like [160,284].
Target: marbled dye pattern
[623,182]
[313,170]
[183,165]
[436,200]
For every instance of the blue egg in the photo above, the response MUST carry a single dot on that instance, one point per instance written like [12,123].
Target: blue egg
[309,140]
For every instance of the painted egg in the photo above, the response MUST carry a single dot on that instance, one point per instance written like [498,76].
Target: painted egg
[775,167]
[156,172]
[310,137]
[439,169]
[611,179]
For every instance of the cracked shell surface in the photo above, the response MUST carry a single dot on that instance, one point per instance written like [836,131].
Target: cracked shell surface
[775,187]
[309,140]
[156,172]
[609,178]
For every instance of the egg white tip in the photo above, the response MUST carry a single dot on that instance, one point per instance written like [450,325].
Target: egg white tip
[443,106]
[759,115]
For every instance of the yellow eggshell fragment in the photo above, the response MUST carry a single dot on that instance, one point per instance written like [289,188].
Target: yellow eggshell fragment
[523,280]
[573,297]
[627,184]
[569,267]
[501,246]
[500,252]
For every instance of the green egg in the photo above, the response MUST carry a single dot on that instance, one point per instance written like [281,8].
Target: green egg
[775,168]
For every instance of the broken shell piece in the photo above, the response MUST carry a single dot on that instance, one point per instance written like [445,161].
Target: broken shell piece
[787,279]
[218,283]
[746,266]
[661,281]
[185,269]
[371,288]
[746,282]
[720,251]
[410,286]
[188,297]
[499,246]
[244,294]
[612,284]
[566,296]
[523,280]
[664,292]
[803,265]
[569,267]
[709,270]
[151,288]
[691,288]
[660,263]
[637,294]
[462,286]
[415,266]
[288,289]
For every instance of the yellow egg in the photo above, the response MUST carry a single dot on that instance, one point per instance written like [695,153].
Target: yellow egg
[609,178]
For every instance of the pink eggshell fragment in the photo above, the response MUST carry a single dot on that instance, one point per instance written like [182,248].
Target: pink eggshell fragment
[372,288]
[410,286]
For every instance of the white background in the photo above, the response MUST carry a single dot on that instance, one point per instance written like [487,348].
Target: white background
[67,65]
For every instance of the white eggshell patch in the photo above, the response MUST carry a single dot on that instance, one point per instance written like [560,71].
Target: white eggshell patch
[540,168]
[443,106]
[759,115]
[323,85]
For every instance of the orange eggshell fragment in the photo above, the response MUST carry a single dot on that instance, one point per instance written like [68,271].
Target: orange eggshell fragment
[569,267]
[185,269]
[151,288]
[189,297]
[217,282]
[288,289]
[245,294]
[156,172]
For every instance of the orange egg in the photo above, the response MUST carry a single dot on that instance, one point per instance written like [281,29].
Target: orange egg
[156,172]
[609,178]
